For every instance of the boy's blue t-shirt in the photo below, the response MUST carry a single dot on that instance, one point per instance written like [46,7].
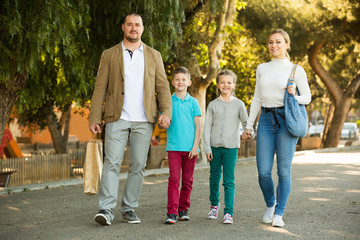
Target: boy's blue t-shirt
[181,133]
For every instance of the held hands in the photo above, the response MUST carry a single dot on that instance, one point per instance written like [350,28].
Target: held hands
[164,122]
[246,135]
[95,128]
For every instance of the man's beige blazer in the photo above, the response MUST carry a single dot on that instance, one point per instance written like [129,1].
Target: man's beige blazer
[109,86]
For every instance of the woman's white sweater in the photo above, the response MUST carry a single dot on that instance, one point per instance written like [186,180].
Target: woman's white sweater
[271,81]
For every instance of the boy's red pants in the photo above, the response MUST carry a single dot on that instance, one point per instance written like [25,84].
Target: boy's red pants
[180,166]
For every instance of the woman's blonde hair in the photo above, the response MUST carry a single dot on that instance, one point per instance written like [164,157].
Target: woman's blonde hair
[286,37]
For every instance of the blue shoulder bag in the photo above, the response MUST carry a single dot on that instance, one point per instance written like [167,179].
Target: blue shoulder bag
[295,114]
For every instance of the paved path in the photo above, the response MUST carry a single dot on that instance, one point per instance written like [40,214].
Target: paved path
[324,204]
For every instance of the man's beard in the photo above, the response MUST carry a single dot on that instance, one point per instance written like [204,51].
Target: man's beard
[131,39]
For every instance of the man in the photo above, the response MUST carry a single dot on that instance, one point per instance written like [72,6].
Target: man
[131,77]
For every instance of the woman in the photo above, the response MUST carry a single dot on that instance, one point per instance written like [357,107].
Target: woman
[272,134]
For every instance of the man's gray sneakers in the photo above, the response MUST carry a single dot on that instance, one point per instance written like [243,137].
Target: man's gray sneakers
[131,217]
[102,218]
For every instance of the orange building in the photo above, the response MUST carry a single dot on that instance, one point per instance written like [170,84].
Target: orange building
[79,130]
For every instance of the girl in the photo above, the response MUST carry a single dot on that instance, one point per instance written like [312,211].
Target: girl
[221,142]
[272,134]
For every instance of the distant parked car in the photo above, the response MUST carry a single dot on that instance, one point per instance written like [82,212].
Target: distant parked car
[350,131]
[316,130]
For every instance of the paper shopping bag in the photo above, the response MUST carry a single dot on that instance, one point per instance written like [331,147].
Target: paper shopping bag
[93,166]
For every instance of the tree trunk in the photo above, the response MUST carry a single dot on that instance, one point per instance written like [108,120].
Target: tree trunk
[200,95]
[341,98]
[224,19]
[66,125]
[339,117]
[9,93]
[328,119]
[55,132]
[199,83]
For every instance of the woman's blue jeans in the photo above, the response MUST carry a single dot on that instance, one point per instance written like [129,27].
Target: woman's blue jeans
[273,137]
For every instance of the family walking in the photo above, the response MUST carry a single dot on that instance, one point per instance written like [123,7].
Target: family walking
[132,83]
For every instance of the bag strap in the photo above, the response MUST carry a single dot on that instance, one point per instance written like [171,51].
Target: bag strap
[292,74]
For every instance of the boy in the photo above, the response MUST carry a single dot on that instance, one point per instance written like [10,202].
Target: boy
[183,137]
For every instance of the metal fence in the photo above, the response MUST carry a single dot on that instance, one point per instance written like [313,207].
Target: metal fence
[45,167]
[49,167]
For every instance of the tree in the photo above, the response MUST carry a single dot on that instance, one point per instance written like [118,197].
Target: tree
[161,19]
[30,30]
[323,32]
[242,55]
[184,32]
[205,29]
[61,78]
[60,83]
[64,44]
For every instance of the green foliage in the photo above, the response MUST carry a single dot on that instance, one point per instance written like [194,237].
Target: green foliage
[66,69]
[305,21]
[242,55]
[334,23]
[57,70]
[59,43]
[344,61]
[30,28]
[198,34]
[162,22]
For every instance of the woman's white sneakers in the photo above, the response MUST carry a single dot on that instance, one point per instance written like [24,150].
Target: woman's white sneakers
[269,217]
[269,214]
[278,222]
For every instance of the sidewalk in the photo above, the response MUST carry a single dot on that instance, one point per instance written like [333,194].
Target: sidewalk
[324,204]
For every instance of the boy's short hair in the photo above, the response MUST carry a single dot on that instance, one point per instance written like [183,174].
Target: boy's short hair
[226,72]
[183,70]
